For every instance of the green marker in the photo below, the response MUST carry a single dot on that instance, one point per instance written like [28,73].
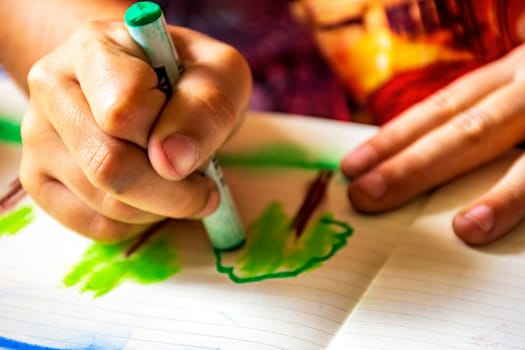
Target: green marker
[147,26]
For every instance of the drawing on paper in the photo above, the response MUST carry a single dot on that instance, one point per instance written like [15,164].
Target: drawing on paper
[279,245]
[273,250]
[103,266]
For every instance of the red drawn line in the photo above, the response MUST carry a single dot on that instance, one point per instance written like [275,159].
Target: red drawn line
[12,197]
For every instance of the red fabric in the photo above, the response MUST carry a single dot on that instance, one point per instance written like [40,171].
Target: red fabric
[408,88]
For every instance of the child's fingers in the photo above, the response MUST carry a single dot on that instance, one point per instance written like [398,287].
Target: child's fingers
[497,211]
[58,201]
[195,122]
[118,83]
[207,105]
[473,137]
[116,166]
[45,153]
[426,116]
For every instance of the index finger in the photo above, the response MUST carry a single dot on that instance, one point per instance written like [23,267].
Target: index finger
[474,137]
[425,116]
[117,81]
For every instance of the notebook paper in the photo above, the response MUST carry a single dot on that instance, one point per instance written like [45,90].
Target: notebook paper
[400,280]
[435,292]
[198,307]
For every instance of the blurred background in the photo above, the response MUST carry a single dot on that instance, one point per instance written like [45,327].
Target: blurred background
[379,47]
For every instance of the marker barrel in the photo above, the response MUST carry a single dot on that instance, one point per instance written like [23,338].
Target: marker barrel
[147,26]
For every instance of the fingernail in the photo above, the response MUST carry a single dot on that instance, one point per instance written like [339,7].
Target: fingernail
[211,206]
[181,152]
[360,160]
[373,185]
[482,216]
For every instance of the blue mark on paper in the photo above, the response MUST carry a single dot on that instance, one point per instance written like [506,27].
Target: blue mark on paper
[6,343]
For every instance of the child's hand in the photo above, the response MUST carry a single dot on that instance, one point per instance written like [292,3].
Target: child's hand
[105,153]
[469,123]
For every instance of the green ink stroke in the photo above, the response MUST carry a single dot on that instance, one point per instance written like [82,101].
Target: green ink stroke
[9,131]
[272,249]
[283,155]
[14,221]
[103,267]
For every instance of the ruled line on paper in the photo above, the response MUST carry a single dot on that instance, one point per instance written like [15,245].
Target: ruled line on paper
[111,310]
[220,332]
[398,315]
[431,290]
[427,292]
[501,274]
[412,340]
[139,324]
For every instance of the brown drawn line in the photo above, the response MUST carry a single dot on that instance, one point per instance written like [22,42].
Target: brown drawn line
[314,196]
[144,237]
[12,197]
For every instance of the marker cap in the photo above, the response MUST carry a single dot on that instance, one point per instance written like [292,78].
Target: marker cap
[142,13]
[147,27]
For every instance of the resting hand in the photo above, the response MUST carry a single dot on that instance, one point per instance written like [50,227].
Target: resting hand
[105,153]
[469,123]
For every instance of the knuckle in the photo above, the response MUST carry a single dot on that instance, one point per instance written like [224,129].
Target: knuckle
[473,125]
[39,75]
[116,117]
[121,112]
[218,107]
[234,57]
[444,101]
[104,165]
[88,44]
[239,68]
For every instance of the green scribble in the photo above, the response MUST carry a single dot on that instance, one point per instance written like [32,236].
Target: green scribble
[14,221]
[284,155]
[272,249]
[103,267]
[9,130]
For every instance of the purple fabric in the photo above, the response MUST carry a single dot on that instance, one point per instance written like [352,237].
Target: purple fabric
[289,74]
